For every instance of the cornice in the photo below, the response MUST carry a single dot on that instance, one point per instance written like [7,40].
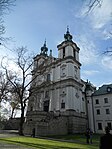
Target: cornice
[59,84]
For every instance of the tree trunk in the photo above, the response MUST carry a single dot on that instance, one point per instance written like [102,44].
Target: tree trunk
[21,122]
[12,113]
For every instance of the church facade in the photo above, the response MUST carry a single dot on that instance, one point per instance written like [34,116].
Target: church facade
[60,101]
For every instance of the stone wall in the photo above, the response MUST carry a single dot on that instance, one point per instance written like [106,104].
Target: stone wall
[56,126]
[69,122]
[77,123]
[12,124]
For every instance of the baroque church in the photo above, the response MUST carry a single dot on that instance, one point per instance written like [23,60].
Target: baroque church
[60,101]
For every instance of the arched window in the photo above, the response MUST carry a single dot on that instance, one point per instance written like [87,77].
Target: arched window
[63,52]
[74,53]
[63,104]
[48,77]
[46,94]
[31,108]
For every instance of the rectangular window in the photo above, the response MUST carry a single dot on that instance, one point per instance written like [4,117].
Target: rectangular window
[63,72]
[105,100]
[63,52]
[75,72]
[46,94]
[107,111]
[109,125]
[63,105]
[48,77]
[31,108]
[82,99]
[74,53]
[99,126]
[97,101]
[98,111]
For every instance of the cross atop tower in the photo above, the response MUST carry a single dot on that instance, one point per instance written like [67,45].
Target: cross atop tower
[68,36]
[44,49]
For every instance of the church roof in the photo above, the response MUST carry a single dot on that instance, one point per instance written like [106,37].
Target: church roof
[105,89]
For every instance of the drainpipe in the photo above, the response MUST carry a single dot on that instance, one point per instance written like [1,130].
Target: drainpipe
[87,110]
[93,114]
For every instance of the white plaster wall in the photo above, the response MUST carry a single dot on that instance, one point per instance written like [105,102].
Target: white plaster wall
[69,101]
[77,100]
[56,73]
[60,53]
[73,102]
[69,51]
[51,103]
[80,101]
[83,104]
[70,70]
[54,96]
[103,117]
[90,113]
[78,72]
[52,74]
[57,99]
[41,101]
[77,56]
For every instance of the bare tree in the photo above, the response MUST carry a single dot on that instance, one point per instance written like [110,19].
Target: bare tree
[108,51]
[5,90]
[5,6]
[4,87]
[93,4]
[21,80]
[14,103]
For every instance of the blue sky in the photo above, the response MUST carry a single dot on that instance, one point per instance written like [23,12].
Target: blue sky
[31,21]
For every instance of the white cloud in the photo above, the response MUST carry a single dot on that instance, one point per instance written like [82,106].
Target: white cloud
[102,15]
[99,16]
[107,62]
[90,72]
[88,53]
[107,34]
[10,65]
[105,83]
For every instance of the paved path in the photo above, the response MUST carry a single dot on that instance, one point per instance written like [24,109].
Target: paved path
[6,134]
[11,146]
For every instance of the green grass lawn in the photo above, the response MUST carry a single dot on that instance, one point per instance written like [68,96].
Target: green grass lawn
[79,137]
[50,144]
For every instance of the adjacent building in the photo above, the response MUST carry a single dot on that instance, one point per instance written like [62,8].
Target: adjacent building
[60,101]
[102,108]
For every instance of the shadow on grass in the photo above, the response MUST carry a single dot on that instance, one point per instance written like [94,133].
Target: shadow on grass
[37,145]
[48,146]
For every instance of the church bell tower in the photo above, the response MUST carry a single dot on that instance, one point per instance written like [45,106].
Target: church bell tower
[68,48]
[68,53]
